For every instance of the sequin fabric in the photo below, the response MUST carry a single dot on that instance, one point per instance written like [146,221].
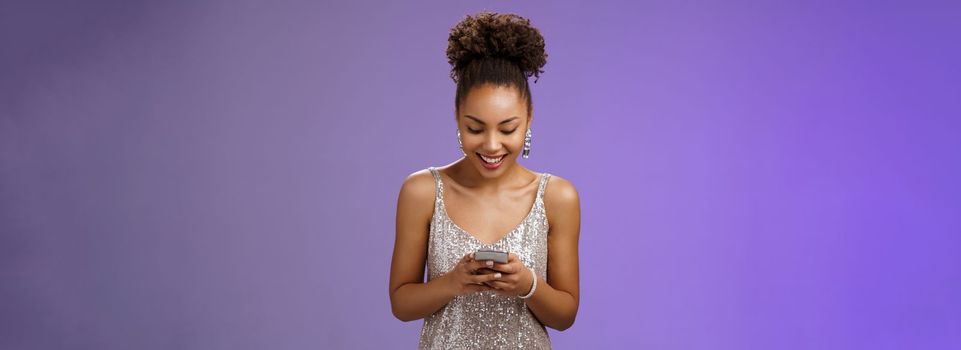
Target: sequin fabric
[485,320]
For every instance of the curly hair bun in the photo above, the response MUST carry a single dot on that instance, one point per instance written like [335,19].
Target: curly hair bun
[493,35]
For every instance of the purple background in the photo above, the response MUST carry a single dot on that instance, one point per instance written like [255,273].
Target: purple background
[224,174]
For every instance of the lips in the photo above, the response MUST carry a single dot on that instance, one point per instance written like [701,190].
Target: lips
[491,160]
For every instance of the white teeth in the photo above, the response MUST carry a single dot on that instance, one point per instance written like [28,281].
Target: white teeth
[489,160]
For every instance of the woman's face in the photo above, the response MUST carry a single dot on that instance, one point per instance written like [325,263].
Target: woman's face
[492,121]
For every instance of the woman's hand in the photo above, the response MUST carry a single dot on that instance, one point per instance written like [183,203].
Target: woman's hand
[515,280]
[463,278]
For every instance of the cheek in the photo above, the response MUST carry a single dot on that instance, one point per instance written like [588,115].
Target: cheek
[513,142]
[515,145]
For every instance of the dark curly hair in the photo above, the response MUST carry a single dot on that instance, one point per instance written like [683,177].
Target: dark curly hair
[498,49]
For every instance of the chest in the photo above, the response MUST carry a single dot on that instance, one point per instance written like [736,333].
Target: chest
[489,217]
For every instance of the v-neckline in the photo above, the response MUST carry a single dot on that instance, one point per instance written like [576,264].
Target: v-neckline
[443,207]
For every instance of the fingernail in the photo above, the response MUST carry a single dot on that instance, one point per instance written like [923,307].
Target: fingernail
[490,263]
[497,275]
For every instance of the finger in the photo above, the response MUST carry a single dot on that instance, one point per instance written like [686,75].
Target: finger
[485,270]
[498,285]
[508,278]
[478,264]
[507,268]
[486,277]
[511,257]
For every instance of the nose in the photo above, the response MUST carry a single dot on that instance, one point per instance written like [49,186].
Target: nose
[492,143]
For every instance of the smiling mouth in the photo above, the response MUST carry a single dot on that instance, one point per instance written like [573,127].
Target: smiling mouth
[491,160]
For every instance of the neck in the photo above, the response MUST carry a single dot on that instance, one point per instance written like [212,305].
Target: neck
[469,176]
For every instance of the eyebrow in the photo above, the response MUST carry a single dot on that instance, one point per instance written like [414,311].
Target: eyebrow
[505,121]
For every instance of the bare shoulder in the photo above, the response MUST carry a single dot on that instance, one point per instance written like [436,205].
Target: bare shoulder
[419,183]
[561,191]
[418,190]
[561,198]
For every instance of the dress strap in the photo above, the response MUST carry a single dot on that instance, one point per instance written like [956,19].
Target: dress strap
[543,183]
[438,184]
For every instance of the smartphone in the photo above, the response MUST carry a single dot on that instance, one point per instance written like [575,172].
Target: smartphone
[488,254]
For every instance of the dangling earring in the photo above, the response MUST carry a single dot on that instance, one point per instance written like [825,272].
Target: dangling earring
[461,144]
[527,144]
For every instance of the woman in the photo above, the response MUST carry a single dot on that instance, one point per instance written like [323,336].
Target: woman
[486,200]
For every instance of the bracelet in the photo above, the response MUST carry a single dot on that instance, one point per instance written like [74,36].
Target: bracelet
[533,285]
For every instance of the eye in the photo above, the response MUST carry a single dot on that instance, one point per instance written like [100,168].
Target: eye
[472,131]
[509,131]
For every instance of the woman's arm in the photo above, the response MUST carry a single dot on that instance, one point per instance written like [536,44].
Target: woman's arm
[555,301]
[410,297]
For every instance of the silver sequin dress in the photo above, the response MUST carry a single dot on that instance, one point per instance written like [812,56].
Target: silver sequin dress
[485,320]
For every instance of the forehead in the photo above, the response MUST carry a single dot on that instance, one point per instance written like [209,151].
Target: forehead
[493,103]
